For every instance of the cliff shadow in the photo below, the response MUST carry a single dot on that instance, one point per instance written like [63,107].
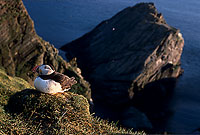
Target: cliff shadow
[155,101]
[149,110]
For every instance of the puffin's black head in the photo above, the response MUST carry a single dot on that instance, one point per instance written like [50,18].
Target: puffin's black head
[43,70]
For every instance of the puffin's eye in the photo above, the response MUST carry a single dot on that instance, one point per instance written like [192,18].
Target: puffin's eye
[46,67]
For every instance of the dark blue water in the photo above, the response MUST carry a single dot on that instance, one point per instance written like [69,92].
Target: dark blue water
[61,21]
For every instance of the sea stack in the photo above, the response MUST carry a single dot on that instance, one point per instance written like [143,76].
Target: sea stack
[123,54]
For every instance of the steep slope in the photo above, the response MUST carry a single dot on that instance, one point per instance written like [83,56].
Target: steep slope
[136,47]
[21,48]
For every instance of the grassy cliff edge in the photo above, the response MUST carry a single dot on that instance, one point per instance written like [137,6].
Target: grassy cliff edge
[23,110]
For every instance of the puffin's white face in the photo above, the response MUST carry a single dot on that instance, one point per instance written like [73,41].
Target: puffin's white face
[45,70]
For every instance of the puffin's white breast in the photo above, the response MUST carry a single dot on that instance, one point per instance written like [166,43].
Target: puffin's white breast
[47,86]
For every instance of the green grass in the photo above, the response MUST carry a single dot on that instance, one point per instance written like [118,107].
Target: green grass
[24,110]
[10,85]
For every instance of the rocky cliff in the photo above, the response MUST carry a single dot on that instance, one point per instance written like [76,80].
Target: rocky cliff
[125,53]
[21,48]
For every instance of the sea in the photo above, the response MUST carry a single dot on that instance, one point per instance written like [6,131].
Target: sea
[61,21]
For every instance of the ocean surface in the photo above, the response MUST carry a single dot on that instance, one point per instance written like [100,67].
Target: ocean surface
[61,21]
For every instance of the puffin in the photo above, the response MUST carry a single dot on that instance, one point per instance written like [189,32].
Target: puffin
[50,81]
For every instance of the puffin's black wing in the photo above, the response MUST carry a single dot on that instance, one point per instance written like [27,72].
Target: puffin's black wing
[64,80]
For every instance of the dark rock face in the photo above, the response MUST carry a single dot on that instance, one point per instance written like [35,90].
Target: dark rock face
[123,54]
[21,48]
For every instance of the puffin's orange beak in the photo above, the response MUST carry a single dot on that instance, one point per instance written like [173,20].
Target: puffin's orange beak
[35,69]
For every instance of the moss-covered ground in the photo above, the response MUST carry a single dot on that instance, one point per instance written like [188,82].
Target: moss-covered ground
[23,110]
